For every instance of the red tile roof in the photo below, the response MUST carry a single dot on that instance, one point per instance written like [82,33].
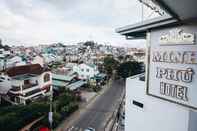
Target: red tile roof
[25,69]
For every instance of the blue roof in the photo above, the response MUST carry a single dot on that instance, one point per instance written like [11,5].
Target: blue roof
[99,76]
[57,83]
[62,77]
[92,65]
[76,85]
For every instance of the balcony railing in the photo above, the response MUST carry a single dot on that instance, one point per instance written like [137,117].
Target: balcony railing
[32,92]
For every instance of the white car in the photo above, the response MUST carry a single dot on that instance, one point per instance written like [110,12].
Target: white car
[89,129]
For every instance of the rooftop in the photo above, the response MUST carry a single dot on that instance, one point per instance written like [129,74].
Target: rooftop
[76,85]
[57,83]
[25,70]
[62,77]
[24,76]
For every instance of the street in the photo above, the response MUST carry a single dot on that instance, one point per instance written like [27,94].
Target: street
[98,113]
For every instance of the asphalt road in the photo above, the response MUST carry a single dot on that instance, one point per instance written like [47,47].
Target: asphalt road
[99,112]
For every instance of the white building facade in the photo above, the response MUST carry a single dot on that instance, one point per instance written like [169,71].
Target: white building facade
[166,100]
[86,71]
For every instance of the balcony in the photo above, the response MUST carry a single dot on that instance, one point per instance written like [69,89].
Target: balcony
[25,87]
[31,94]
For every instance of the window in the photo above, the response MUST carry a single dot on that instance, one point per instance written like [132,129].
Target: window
[82,70]
[87,70]
[47,77]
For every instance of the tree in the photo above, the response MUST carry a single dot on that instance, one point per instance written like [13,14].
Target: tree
[120,58]
[110,64]
[129,68]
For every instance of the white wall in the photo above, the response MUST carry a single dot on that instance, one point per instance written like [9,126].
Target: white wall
[84,74]
[157,114]
[41,80]
[38,60]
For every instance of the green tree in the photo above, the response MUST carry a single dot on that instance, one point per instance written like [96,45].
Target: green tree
[129,68]
[110,64]
[120,58]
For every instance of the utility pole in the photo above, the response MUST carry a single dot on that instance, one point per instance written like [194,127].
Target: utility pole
[51,109]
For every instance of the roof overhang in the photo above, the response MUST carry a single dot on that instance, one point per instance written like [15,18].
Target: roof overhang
[180,11]
[138,30]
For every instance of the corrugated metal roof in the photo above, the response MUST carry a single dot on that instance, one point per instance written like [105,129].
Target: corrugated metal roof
[62,77]
[76,85]
[59,83]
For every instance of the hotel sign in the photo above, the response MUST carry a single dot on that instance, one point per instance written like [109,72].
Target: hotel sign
[177,36]
[172,74]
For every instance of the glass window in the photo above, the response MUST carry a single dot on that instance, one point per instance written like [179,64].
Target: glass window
[87,70]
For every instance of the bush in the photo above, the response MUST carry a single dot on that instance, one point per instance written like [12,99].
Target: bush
[129,68]
[19,116]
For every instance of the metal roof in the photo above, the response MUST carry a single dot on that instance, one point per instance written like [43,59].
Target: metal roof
[62,77]
[57,83]
[76,85]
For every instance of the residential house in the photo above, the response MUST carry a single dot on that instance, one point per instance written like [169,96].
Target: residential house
[3,56]
[14,61]
[38,60]
[22,84]
[86,71]
[62,80]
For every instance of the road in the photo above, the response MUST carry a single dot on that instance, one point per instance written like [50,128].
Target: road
[97,114]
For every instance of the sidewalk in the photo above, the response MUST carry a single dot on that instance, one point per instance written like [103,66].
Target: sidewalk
[75,116]
[27,127]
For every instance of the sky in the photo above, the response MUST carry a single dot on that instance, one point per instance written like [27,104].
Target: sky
[33,22]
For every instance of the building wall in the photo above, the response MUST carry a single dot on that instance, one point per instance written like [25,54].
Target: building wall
[83,73]
[156,114]
[41,80]
[38,60]
[5,85]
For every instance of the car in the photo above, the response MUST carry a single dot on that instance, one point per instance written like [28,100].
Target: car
[89,129]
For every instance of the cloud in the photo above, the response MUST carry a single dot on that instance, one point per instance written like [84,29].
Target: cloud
[32,22]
